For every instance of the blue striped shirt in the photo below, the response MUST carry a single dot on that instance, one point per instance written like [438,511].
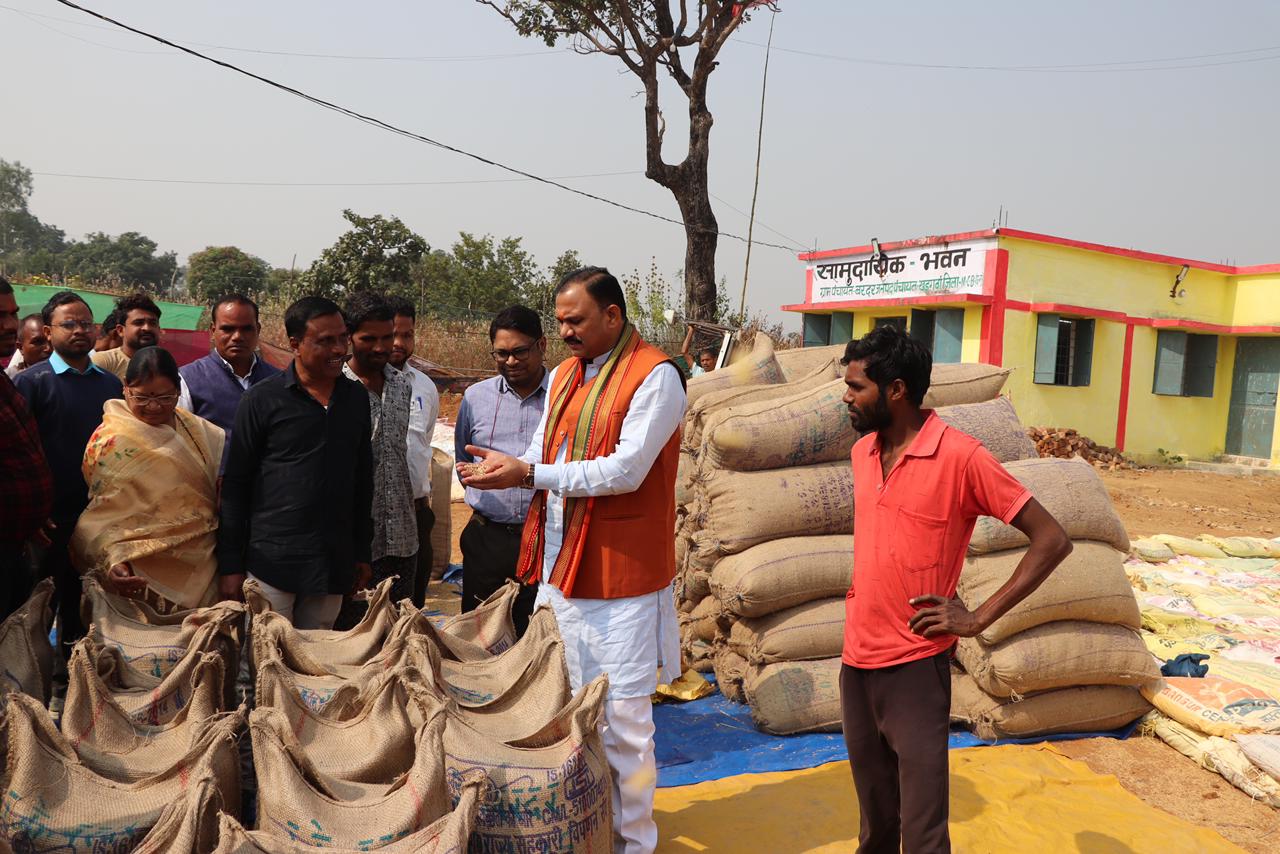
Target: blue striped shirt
[493,416]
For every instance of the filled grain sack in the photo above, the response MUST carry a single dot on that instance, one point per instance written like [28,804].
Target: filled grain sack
[685,468]
[1071,491]
[730,669]
[489,625]
[549,792]
[1216,754]
[995,425]
[329,695]
[1084,708]
[1058,655]
[1090,585]
[352,647]
[1263,751]
[758,367]
[25,651]
[1244,546]
[298,802]
[55,803]
[507,698]
[1187,546]
[698,413]
[810,426]
[701,622]
[800,361]
[795,696]
[806,632]
[114,743]
[373,745]
[157,648]
[445,835]
[1215,705]
[442,476]
[189,825]
[783,573]
[744,509]
[697,655]
[153,699]
[951,385]
[1152,551]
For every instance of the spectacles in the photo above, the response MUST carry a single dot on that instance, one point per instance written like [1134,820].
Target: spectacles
[69,325]
[519,353]
[161,400]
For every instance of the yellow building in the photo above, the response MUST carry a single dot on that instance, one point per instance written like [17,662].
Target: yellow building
[1145,352]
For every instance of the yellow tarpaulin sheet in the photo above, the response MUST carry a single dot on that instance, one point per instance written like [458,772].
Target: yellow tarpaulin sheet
[1013,798]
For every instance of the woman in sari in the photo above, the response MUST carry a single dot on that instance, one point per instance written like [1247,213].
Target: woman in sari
[152,470]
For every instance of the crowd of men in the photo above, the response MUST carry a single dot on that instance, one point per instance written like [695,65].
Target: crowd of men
[325,478]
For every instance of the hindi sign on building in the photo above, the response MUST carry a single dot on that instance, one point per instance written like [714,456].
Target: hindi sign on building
[938,269]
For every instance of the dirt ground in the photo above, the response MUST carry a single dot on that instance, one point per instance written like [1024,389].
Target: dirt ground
[1169,781]
[1190,503]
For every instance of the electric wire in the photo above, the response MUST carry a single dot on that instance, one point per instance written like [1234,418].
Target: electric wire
[399,131]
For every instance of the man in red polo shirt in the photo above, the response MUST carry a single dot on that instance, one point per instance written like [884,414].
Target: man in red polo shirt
[919,486]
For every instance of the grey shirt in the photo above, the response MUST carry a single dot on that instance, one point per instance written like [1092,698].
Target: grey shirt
[395,527]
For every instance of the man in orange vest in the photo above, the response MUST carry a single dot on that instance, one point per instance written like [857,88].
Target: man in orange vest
[600,533]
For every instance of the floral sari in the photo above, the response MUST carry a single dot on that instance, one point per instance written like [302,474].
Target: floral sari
[152,503]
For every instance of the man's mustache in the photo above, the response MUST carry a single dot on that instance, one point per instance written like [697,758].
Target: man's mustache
[573,339]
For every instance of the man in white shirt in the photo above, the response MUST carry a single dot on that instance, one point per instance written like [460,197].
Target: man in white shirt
[424,409]
[601,530]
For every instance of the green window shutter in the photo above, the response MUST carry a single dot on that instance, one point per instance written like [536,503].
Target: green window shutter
[841,327]
[922,325]
[948,335]
[1082,368]
[1046,348]
[817,330]
[1202,364]
[1171,360]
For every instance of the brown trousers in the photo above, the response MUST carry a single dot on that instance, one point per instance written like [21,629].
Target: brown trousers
[896,721]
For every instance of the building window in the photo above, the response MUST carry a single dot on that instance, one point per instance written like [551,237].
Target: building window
[817,330]
[899,323]
[1064,350]
[942,331]
[1185,364]
[841,327]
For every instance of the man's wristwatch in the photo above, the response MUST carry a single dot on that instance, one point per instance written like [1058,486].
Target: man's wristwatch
[527,483]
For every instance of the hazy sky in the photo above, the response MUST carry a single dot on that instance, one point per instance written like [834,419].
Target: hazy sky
[1182,161]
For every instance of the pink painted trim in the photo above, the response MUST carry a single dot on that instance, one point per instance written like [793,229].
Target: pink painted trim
[1000,289]
[1257,269]
[1122,415]
[1156,322]
[899,244]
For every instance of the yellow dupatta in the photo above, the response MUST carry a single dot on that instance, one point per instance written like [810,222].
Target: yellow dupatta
[152,502]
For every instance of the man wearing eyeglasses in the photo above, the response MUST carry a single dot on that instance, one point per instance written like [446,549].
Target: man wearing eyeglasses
[502,413]
[66,394]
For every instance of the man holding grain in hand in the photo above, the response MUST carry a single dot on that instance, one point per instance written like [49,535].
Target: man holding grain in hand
[919,487]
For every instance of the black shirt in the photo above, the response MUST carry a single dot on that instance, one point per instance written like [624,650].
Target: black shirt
[297,494]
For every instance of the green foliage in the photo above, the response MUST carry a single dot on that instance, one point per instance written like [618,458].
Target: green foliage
[377,253]
[218,270]
[1169,459]
[129,259]
[479,276]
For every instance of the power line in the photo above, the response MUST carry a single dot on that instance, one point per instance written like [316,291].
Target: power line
[387,126]
[241,183]
[1080,68]
[1156,63]
[475,57]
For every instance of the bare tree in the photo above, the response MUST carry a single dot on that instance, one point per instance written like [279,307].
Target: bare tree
[648,35]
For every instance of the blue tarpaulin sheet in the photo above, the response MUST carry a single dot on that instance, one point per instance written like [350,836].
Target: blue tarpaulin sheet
[713,737]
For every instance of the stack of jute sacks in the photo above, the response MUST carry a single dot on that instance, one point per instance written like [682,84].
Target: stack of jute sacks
[1069,657]
[765,527]
[398,735]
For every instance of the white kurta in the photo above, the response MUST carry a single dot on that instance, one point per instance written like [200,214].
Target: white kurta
[630,639]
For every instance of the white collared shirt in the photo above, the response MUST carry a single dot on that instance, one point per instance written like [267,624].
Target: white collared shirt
[424,409]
